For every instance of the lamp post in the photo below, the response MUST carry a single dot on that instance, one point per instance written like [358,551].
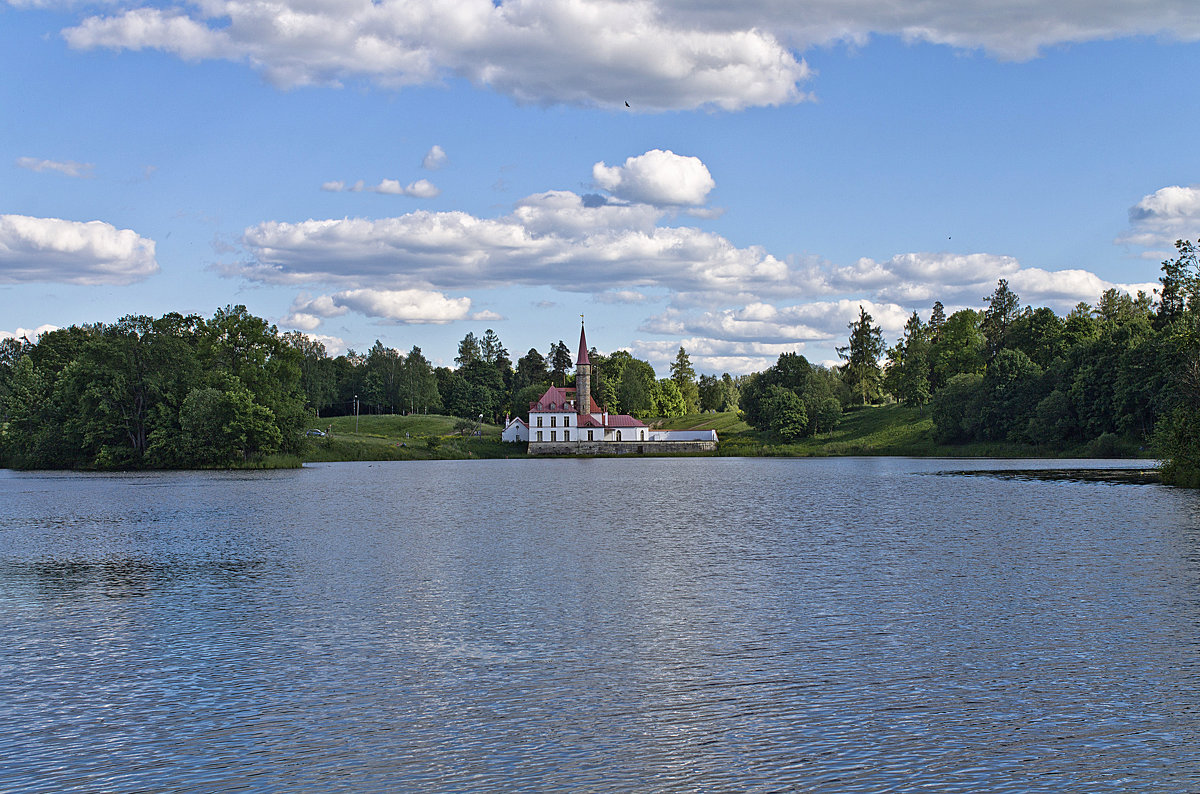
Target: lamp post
[356,414]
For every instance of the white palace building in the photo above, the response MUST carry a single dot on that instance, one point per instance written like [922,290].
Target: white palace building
[567,421]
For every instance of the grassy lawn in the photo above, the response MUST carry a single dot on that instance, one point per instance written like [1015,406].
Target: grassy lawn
[872,430]
[877,430]
[415,437]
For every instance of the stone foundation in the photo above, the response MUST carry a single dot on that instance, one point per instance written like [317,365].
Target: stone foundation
[620,447]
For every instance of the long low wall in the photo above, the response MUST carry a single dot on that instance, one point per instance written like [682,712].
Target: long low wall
[620,447]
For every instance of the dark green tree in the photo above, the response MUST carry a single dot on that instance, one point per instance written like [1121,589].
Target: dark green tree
[684,376]
[560,363]
[1002,310]
[861,370]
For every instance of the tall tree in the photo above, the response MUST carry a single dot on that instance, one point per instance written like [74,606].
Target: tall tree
[468,350]
[531,370]
[937,318]
[861,370]
[560,362]
[317,376]
[418,384]
[1003,306]
[490,347]
[684,376]
[909,370]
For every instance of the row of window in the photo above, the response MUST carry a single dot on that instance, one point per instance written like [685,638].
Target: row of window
[566,421]
[567,435]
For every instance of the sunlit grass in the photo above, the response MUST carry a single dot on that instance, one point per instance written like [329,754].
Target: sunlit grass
[395,437]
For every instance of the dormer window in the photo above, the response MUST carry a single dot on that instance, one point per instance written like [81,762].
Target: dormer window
[552,406]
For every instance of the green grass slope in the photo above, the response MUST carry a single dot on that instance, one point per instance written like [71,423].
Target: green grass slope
[394,437]
[881,430]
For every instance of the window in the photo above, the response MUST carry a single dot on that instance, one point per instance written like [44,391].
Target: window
[554,421]
[553,435]
[539,425]
[643,435]
[566,435]
[590,435]
[566,421]
[618,435]
[539,434]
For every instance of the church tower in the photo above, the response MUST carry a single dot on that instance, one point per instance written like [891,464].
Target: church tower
[583,376]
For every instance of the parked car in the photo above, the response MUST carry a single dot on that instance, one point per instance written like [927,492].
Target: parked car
[320,433]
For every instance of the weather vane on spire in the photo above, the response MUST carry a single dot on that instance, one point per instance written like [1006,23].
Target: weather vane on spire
[581,319]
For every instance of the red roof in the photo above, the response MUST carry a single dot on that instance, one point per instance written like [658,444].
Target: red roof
[582,358]
[614,420]
[556,395]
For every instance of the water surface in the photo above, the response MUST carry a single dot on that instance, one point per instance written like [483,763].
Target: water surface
[651,624]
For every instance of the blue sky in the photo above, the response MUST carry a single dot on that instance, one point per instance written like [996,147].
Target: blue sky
[413,171]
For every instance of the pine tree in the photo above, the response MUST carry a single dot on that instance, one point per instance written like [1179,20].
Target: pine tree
[861,371]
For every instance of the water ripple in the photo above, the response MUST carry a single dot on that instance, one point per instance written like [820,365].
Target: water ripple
[838,625]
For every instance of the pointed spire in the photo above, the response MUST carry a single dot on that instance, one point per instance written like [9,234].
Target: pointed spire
[582,358]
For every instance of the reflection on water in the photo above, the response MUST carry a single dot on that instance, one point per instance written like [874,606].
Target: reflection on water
[840,625]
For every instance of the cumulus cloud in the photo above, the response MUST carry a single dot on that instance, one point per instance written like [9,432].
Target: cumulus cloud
[408,306]
[71,252]
[422,188]
[307,313]
[435,158]
[1008,29]
[551,239]
[744,301]
[764,323]
[64,167]
[1164,216]
[31,334]
[657,54]
[657,177]
[587,52]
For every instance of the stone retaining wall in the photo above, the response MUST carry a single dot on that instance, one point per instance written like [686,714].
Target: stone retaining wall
[620,447]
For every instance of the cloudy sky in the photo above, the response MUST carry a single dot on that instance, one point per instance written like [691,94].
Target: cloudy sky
[737,178]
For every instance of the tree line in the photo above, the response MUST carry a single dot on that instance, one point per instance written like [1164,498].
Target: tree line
[1126,369]
[180,391]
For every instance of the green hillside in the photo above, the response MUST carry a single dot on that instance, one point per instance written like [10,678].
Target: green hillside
[878,430]
[394,437]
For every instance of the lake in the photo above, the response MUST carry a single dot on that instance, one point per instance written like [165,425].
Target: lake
[846,624]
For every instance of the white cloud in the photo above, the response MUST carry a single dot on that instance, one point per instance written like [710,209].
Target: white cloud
[657,177]
[302,320]
[64,167]
[411,306]
[1164,216]
[655,54]
[31,334]
[589,52]
[1008,29]
[307,313]
[551,239]
[422,188]
[487,315]
[434,159]
[71,252]
[818,321]
[334,345]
